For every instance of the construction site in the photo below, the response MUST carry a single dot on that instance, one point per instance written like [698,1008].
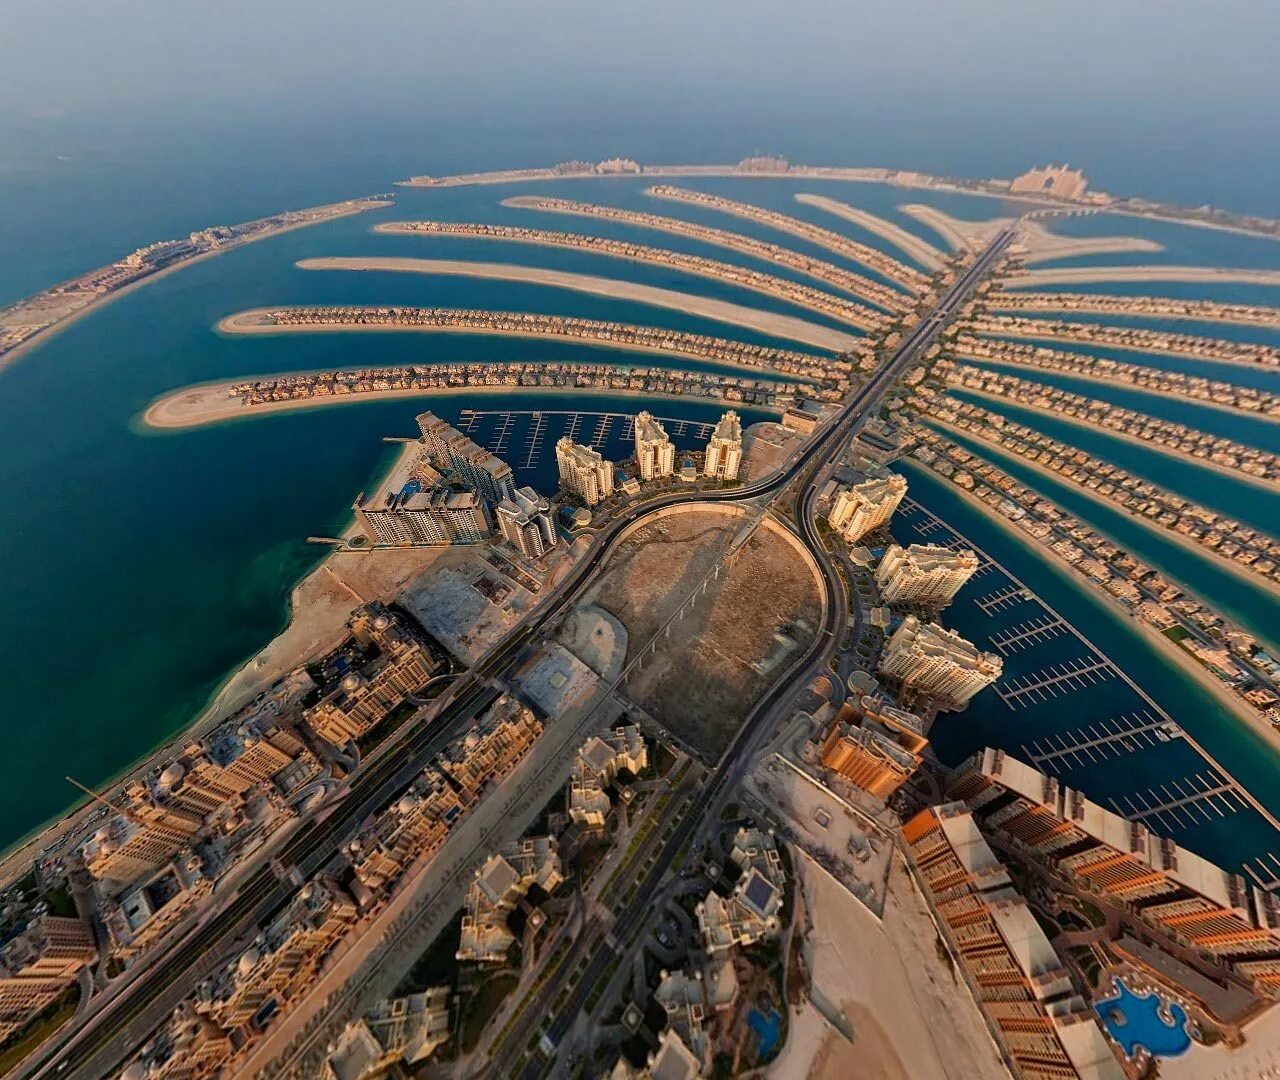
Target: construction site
[755,609]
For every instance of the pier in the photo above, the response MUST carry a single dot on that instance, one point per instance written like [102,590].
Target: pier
[1056,680]
[1100,741]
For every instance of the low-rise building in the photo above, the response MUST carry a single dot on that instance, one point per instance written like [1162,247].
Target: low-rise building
[405,1029]
[498,887]
[492,749]
[753,911]
[598,763]
[283,960]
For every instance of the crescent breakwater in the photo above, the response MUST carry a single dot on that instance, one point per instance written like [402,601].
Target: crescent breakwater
[764,322]
[35,318]
[827,273]
[791,292]
[778,168]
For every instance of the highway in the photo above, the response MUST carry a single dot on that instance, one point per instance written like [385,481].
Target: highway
[704,813]
[108,1035]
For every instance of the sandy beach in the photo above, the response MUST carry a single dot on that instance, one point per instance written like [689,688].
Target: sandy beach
[764,322]
[921,250]
[1204,463]
[1041,243]
[62,324]
[1104,381]
[1091,274]
[911,1016]
[1230,703]
[212,403]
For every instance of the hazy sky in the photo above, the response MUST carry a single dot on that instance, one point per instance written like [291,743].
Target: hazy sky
[1184,90]
[74,55]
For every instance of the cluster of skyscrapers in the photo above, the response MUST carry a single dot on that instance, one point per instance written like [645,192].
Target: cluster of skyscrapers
[460,493]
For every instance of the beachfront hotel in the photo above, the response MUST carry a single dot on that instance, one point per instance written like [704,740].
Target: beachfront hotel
[723,458]
[924,574]
[938,663]
[583,471]
[876,746]
[865,507]
[1171,890]
[1059,181]
[451,451]
[655,453]
[1044,1028]
[417,516]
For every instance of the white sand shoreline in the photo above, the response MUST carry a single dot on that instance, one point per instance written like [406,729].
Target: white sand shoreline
[216,406]
[764,322]
[36,340]
[915,247]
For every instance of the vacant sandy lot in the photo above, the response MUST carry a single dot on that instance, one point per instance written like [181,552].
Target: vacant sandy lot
[752,622]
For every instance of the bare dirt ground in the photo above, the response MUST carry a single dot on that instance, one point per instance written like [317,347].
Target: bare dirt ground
[760,614]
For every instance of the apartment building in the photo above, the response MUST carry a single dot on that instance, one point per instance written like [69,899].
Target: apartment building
[723,458]
[926,574]
[938,663]
[583,471]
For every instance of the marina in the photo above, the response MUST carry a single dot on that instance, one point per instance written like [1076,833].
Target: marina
[1135,757]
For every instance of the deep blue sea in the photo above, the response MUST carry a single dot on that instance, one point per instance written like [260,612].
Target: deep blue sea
[139,569]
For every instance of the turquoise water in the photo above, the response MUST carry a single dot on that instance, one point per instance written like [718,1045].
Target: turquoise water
[1236,497]
[1229,424]
[139,569]
[1233,595]
[1234,839]
[1135,1022]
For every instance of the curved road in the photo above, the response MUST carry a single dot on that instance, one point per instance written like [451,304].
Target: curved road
[114,1030]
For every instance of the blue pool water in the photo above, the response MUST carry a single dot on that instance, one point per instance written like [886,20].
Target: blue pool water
[1135,1021]
[766,1029]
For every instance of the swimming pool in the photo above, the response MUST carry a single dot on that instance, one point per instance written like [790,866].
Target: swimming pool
[767,1028]
[1135,1021]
